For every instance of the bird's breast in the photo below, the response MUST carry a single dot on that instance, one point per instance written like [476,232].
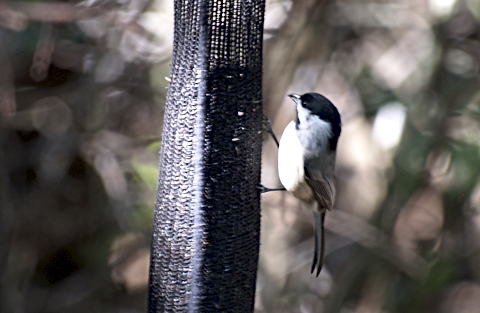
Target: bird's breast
[291,164]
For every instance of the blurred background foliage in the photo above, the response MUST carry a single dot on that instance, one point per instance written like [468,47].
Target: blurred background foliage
[82,89]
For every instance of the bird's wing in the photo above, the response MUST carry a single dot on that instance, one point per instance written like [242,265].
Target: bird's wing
[323,186]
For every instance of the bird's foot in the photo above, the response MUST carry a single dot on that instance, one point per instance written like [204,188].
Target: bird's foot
[264,189]
[267,127]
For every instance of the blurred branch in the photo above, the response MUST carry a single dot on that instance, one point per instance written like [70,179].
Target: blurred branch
[7,88]
[42,56]
[51,12]
[357,230]
[368,236]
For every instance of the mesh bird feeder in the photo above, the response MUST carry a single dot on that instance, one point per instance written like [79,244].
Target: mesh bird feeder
[207,213]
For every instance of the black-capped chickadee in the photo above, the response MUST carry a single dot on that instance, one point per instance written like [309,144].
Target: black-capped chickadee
[306,160]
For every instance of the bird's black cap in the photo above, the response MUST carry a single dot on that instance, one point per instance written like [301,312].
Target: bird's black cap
[318,105]
[323,108]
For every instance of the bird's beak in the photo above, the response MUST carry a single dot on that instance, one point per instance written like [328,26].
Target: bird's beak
[295,97]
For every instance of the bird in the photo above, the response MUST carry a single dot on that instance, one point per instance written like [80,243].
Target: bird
[306,161]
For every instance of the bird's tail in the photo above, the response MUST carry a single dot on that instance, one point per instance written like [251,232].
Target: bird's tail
[319,253]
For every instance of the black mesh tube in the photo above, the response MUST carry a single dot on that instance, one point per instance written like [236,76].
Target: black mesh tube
[207,216]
